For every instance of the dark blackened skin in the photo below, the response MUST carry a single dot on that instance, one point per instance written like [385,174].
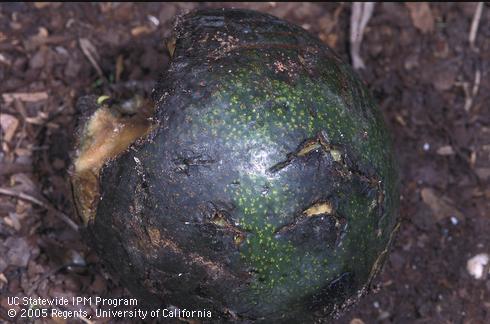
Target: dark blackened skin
[267,189]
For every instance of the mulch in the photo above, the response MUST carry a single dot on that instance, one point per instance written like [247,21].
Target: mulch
[426,68]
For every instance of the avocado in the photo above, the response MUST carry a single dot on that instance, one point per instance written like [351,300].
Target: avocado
[259,183]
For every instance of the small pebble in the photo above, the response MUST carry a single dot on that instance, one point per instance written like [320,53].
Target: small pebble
[477,264]
[454,220]
[356,321]
[426,147]
[154,20]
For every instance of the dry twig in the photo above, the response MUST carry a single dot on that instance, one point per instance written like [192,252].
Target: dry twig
[92,55]
[34,200]
[469,95]
[25,96]
[474,24]
[361,13]
[10,168]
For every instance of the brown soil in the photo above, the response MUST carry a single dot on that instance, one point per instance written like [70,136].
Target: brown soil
[431,85]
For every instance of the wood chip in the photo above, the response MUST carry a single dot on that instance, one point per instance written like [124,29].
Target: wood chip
[483,173]
[421,15]
[40,119]
[10,168]
[42,5]
[141,30]
[399,118]
[445,150]
[19,251]
[442,207]
[9,125]
[42,32]
[356,321]
[25,96]
[13,221]
[36,41]
[5,60]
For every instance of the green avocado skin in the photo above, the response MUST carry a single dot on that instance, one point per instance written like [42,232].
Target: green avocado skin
[257,121]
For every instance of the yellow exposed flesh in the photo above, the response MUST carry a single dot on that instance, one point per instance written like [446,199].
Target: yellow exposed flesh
[336,155]
[318,209]
[171,46]
[308,148]
[105,136]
